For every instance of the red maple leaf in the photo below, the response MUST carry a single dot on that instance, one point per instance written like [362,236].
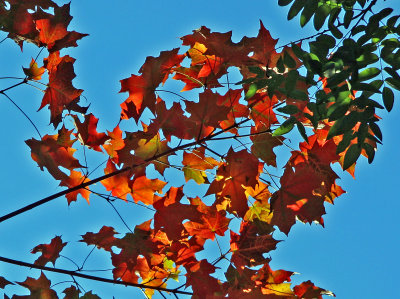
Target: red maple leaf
[308,290]
[172,122]
[295,186]
[203,284]
[4,282]
[87,132]
[53,30]
[39,288]
[240,170]
[171,213]
[60,93]
[250,244]
[206,112]
[50,252]
[264,143]
[103,239]
[142,88]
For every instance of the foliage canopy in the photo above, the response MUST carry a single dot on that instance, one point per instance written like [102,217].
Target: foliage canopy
[219,132]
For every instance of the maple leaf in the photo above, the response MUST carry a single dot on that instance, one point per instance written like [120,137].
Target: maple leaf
[119,184]
[212,221]
[308,290]
[211,63]
[87,132]
[50,153]
[206,112]
[23,23]
[114,143]
[50,252]
[231,99]
[263,46]
[190,76]
[71,292]
[76,178]
[195,164]
[103,239]
[34,72]
[261,110]
[250,244]
[39,288]
[264,143]
[53,30]
[239,171]
[171,213]
[148,149]
[144,189]
[173,122]
[260,209]
[141,88]
[140,242]
[4,282]
[60,93]
[203,284]
[294,186]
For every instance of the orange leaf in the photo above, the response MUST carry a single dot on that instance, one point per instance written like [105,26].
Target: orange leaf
[34,72]
[75,179]
[195,163]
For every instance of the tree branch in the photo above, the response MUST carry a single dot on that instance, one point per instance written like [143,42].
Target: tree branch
[91,277]
[111,174]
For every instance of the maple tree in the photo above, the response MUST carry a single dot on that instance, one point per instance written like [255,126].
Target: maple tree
[328,86]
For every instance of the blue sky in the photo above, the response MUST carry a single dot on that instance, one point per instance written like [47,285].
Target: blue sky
[355,255]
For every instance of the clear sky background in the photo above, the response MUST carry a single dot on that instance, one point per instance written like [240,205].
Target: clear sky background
[355,255]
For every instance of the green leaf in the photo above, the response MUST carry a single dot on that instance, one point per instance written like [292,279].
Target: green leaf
[299,95]
[327,40]
[368,74]
[336,111]
[284,2]
[391,22]
[393,83]
[369,149]
[288,109]
[280,66]
[308,11]
[295,8]
[290,82]
[302,131]
[362,2]
[358,29]
[381,15]
[320,16]
[285,127]
[362,133]
[298,51]
[376,130]
[351,156]
[344,143]
[288,60]
[337,79]
[343,125]
[388,98]
[251,91]
[335,31]
[348,17]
